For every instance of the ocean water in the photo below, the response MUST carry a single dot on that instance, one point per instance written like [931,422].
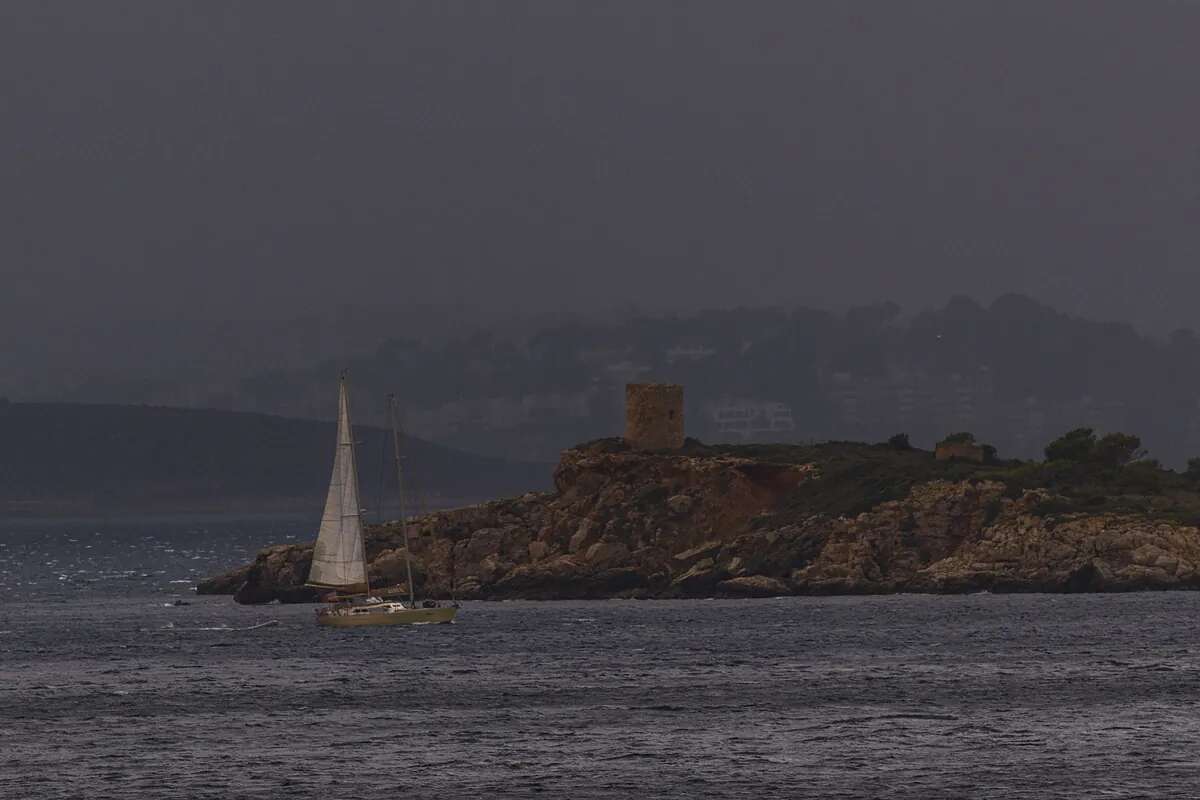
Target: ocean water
[110,690]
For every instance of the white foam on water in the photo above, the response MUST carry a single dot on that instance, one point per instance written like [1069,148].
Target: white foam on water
[226,628]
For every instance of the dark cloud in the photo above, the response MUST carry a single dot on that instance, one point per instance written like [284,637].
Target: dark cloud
[215,159]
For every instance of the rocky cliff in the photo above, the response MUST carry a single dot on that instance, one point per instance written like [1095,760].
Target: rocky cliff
[737,522]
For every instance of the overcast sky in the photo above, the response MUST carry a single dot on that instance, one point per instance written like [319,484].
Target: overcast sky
[221,159]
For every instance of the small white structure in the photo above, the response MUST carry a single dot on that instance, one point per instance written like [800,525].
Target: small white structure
[752,419]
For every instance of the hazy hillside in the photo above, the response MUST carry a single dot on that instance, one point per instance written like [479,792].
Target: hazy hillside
[1016,372]
[61,457]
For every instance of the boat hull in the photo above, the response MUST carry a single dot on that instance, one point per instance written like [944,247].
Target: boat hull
[388,616]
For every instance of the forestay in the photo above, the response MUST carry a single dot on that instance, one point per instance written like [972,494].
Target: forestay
[338,561]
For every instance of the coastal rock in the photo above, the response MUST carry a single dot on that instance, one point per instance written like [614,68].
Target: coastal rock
[278,573]
[1110,552]
[608,553]
[680,504]
[705,550]
[579,540]
[885,549]
[626,524]
[389,569]
[227,583]
[699,578]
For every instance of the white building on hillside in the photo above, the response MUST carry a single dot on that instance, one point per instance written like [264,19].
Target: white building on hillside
[752,420]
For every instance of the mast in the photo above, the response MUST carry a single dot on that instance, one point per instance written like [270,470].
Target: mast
[400,484]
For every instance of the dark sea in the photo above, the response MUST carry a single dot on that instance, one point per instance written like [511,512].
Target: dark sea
[108,689]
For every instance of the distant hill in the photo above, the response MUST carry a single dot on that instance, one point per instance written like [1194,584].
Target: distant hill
[66,458]
[1016,373]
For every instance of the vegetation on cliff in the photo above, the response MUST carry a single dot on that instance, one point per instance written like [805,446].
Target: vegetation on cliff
[778,519]
[1082,473]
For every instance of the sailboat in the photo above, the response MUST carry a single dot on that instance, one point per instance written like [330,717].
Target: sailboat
[339,561]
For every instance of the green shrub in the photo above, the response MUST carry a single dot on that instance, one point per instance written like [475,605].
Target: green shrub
[1141,477]
[1081,446]
[1117,450]
[1028,476]
[1077,445]
[1193,469]
[1054,506]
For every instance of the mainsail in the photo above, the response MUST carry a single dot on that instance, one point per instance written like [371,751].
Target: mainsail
[338,559]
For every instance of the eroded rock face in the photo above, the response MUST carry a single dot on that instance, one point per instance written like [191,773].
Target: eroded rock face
[627,524]
[228,583]
[886,549]
[278,573]
[1078,553]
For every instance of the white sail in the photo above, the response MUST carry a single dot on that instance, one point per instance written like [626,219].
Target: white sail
[338,560]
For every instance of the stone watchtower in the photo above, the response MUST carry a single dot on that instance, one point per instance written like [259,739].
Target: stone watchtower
[654,416]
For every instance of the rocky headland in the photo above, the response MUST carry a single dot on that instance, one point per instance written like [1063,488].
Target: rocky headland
[838,518]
